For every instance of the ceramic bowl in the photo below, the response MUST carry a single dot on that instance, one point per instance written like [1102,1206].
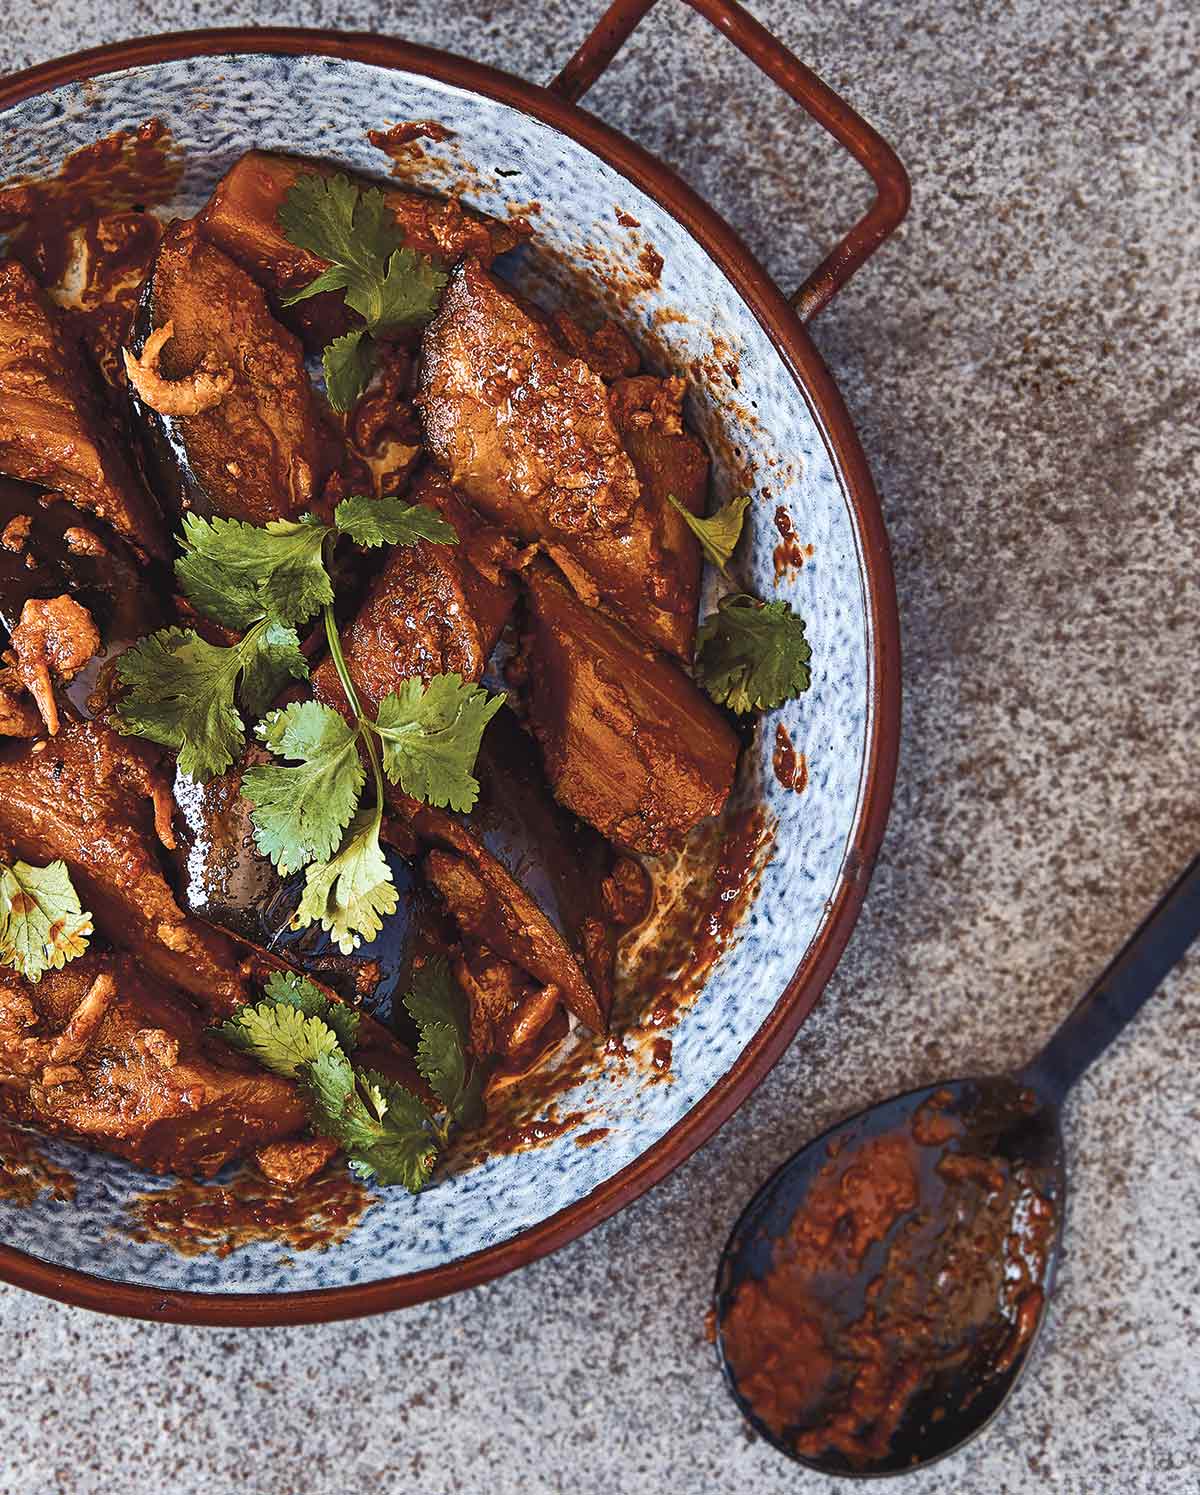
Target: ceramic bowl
[760,395]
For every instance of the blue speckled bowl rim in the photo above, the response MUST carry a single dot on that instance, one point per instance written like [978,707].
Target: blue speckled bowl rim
[786,332]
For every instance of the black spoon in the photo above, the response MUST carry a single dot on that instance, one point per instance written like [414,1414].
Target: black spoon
[1012,1118]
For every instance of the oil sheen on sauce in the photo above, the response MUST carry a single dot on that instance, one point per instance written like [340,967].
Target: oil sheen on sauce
[833,1344]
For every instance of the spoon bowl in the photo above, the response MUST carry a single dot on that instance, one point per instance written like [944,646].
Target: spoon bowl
[886,1285]
[998,1117]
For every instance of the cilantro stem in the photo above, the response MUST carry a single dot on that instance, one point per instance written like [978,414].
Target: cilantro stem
[365,725]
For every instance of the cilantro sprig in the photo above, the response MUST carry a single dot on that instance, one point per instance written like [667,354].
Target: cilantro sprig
[752,655]
[720,532]
[389,286]
[42,923]
[308,809]
[388,1133]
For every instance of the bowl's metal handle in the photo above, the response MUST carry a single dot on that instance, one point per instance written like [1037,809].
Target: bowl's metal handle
[802,84]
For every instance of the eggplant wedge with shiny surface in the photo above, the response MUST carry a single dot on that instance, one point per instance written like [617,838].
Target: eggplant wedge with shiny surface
[53,427]
[225,880]
[253,445]
[241,218]
[526,431]
[629,743]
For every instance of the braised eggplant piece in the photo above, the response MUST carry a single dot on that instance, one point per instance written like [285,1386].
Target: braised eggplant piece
[104,1053]
[241,219]
[225,880]
[433,609]
[669,461]
[525,430]
[228,416]
[560,862]
[628,741]
[509,1014]
[491,907]
[53,430]
[96,800]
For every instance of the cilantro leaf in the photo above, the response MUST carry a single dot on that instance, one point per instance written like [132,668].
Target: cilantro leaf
[42,924]
[349,893]
[720,532]
[431,737]
[275,658]
[383,1128]
[180,693]
[390,521]
[354,229]
[349,362]
[435,997]
[407,292]
[281,1037]
[752,655]
[332,217]
[299,813]
[279,565]
[436,1003]
[180,690]
[441,1061]
[292,989]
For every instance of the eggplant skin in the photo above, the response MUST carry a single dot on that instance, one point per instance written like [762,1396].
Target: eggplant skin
[264,451]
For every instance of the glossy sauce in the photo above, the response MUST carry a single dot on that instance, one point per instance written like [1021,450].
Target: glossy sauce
[400,139]
[127,170]
[210,1219]
[908,1262]
[791,767]
[789,553]
[25,1172]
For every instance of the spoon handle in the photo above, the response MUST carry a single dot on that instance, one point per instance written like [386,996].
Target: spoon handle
[1119,994]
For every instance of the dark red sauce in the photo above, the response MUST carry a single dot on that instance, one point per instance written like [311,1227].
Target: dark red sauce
[533,1133]
[652,263]
[908,1260]
[626,220]
[401,139]
[25,1172]
[198,1219]
[126,171]
[791,767]
[789,553]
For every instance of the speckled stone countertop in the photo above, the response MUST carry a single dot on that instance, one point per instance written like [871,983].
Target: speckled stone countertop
[1023,365]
